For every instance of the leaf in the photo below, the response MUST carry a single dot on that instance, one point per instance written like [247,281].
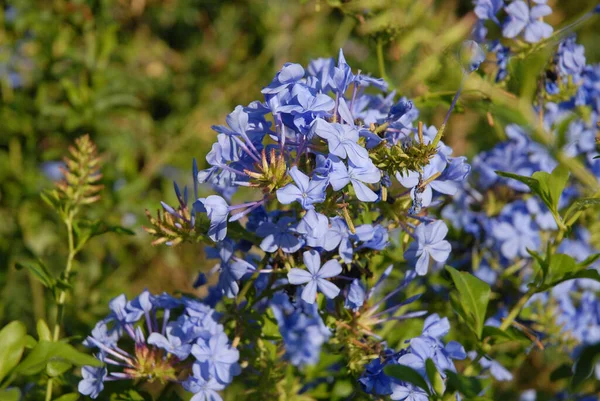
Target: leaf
[57,367]
[474,298]
[563,268]
[45,351]
[552,185]
[40,271]
[434,377]
[10,394]
[547,186]
[407,374]
[130,395]
[584,366]
[562,372]
[68,397]
[468,386]
[578,206]
[12,344]
[43,331]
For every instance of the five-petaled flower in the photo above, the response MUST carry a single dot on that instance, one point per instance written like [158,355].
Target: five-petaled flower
[306,191]
[316,276]
[429,242]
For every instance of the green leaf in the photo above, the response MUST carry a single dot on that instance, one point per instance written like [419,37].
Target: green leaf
[40,271]
[68,397]
[12,345]
[584,366]
[547,186]
[474,298]
[563,268]
[578,206]
[468,386]
[562,372]
[434,377]
[130,395]
[10,394]
[45,351]
[407,374]
[57,367]
[43,331]
[552,185]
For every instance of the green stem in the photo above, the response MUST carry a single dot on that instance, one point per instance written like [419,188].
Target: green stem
[516,310]
[63,293]
[62,296]
[380,59]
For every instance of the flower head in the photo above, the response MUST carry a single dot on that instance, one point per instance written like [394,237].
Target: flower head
[316,276]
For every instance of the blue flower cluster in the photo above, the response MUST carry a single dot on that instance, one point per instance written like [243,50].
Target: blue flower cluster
[171,336]
[520,18]
[326,149]
[428,345]
[505,220]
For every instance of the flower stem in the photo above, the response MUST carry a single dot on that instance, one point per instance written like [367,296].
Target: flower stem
[516,310]
[380,59]
[60,304]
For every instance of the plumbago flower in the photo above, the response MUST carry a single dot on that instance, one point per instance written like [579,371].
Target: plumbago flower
[509,226]
[171,337]
[316,160]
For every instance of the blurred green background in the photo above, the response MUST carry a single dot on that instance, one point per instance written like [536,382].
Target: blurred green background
[147,79]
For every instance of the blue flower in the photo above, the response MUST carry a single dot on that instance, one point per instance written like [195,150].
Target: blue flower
[279,235]
[316,276]
[93,381]
[342,141]
[171,343]
[314,226]
[203,389]
[515,232]
[429,243]
[471,55]
[520,18]
[217,210]
[306,191]
[571,58]
[487,9]
[357,175]
[288,75]
[356,295]
[217,358]
[502,57]
[408,392]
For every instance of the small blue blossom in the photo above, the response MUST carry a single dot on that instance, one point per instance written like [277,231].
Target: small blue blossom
[356,295]
[316,276]
[429,243]
[521,18]
[217,358]
[305,191]
[217,210]
[279,235]
[358,176]
[93,381]
[203,390]
[342,141]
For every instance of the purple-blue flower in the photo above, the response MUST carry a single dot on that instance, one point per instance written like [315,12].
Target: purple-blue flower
[365,173]
[203,389]
[316,276]
[217,358]
[217,210]
[521,18]
[93,381]
[429,243]
[279,235]
[342,141]
[305,191]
